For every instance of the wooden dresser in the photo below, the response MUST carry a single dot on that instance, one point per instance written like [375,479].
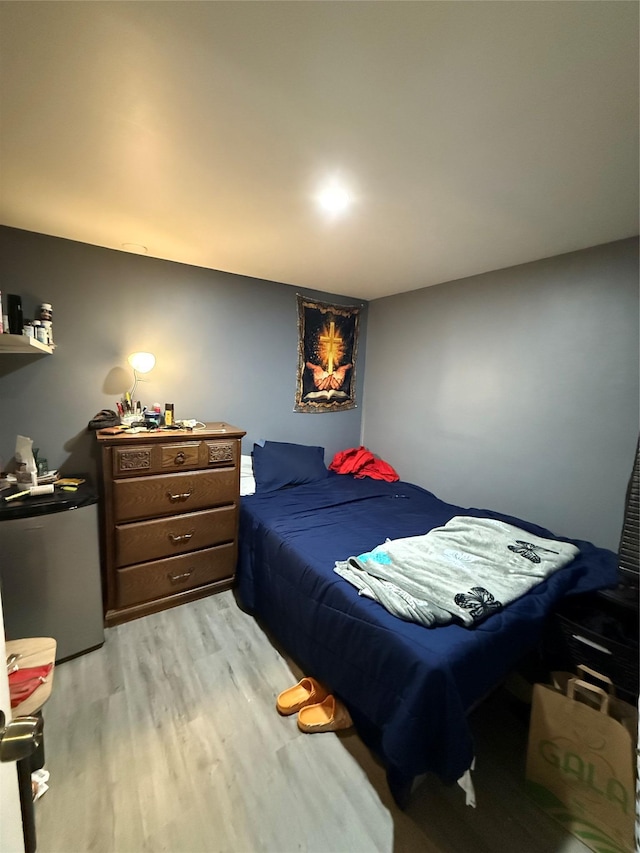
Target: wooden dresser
[169,505]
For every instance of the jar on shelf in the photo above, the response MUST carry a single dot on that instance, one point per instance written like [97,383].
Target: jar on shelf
[40,333]
[45,312]
[48,327]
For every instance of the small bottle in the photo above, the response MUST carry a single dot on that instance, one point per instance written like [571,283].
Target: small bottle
[48,327]
[168,414]
[45,315]
[40,332]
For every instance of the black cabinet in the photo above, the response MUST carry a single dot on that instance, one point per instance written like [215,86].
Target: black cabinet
[599,630]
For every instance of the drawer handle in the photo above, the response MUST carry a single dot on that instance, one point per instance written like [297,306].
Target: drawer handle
[180,458]
[183,577]
[180,497]
[593,645]
[183,538]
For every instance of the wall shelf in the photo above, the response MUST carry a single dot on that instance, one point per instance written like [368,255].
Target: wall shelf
[23,344]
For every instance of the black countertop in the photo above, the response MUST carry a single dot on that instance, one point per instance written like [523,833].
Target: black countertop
[59,501]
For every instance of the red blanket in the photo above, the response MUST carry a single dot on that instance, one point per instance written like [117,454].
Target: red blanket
[362,463]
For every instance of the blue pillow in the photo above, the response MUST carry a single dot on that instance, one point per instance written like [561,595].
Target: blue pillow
[277,464]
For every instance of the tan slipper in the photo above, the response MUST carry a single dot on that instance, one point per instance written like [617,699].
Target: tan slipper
[330,715]
[308,691]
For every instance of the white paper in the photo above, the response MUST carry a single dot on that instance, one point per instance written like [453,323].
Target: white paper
[466,783]
[24,453]
[39,779]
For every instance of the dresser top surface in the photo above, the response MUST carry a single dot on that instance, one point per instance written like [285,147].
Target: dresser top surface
[215,429]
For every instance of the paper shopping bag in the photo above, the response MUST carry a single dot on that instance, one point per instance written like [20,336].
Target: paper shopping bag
[581,762]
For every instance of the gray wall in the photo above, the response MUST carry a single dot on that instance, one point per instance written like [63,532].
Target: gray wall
[516,390]
[226,349]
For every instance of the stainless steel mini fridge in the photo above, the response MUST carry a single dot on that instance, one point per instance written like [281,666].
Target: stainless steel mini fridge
[50,570]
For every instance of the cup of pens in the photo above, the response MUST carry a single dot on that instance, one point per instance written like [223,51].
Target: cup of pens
[129,411]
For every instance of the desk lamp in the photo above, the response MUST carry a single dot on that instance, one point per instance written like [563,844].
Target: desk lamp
[142,362]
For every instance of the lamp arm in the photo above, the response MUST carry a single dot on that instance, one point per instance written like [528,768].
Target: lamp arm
[136,379]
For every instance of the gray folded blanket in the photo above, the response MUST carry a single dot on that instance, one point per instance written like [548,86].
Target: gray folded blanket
[467,569]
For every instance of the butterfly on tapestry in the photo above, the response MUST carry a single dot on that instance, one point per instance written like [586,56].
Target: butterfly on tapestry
[327,352]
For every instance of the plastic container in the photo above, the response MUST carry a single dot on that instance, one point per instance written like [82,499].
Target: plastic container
[48,326]
[40,333]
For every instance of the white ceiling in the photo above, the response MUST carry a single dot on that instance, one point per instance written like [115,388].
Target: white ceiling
[472,135]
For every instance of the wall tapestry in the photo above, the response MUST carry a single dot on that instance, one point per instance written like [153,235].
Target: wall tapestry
[327,351]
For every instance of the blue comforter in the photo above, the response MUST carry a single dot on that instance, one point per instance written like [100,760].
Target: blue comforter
[408,687]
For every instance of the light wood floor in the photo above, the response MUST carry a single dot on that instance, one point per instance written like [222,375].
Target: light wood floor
[167,739]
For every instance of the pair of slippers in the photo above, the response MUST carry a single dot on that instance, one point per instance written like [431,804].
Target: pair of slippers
[317,709]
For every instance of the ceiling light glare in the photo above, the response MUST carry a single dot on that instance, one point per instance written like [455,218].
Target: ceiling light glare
[334,199]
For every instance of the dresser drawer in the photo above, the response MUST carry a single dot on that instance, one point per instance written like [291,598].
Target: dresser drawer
[221,452]
[180,457]
[132,461]
[150,581]
[169,494]
[135,460]
[177,534]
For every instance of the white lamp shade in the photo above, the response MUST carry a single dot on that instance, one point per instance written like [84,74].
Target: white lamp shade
[143,362]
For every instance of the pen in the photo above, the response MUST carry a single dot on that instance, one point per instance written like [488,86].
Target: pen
[18,495]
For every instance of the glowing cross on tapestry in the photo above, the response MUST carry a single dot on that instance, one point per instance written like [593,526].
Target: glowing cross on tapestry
[327,349]
[331,346]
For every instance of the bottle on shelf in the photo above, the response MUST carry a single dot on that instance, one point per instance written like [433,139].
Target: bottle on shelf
[45,315]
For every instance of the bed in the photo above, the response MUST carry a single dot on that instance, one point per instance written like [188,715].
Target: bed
[408,688]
